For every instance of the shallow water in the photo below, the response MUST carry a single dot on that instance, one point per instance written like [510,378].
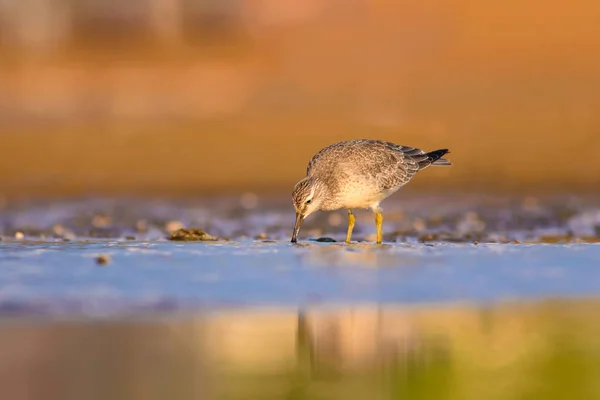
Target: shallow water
[64,277]
[474,298]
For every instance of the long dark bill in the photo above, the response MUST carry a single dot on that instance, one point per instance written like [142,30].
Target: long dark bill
[297,225]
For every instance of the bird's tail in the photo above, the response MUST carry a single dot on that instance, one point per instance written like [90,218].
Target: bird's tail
[435,158]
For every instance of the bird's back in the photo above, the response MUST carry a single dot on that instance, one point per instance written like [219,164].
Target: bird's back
[385,164]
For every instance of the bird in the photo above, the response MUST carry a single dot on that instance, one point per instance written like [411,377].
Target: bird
[358,174]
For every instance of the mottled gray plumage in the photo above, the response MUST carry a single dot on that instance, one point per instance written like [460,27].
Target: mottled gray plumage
[358,174]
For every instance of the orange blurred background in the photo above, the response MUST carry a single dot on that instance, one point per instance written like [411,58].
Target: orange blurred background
[192,97]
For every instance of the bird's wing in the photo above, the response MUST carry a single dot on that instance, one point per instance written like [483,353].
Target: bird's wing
[401,166]
[391,165]
[331,151]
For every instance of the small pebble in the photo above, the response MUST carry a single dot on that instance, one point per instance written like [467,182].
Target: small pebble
[188,235]
[325,240]
[129,237]
[102,259]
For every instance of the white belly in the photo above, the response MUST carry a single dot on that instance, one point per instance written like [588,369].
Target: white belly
[361,196]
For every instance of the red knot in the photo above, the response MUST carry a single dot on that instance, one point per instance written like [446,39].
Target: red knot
[358,174]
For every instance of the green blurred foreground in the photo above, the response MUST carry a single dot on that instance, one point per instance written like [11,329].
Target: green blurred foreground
[544,350]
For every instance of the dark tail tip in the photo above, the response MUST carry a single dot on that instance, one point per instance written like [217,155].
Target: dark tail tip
[435,158]
[435,155]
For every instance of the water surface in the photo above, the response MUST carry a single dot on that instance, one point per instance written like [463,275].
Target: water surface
[65,277]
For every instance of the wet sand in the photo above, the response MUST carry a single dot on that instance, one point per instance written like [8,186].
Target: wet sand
[409,216]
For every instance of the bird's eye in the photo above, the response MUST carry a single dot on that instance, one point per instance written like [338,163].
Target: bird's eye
[308,201]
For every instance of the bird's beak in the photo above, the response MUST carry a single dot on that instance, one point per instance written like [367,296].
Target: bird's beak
[297,225]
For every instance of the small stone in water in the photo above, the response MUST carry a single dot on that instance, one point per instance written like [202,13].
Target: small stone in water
[189,235]
[325,240]
[102,259]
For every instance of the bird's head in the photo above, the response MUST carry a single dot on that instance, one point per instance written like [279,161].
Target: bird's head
[308,196]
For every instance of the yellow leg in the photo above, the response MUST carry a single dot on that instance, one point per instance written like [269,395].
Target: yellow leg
[378,223]
[351,221]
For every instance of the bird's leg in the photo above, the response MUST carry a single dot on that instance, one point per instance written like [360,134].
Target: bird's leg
[351,221]
[378,223]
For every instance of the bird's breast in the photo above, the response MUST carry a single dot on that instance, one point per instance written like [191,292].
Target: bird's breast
[357,195]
